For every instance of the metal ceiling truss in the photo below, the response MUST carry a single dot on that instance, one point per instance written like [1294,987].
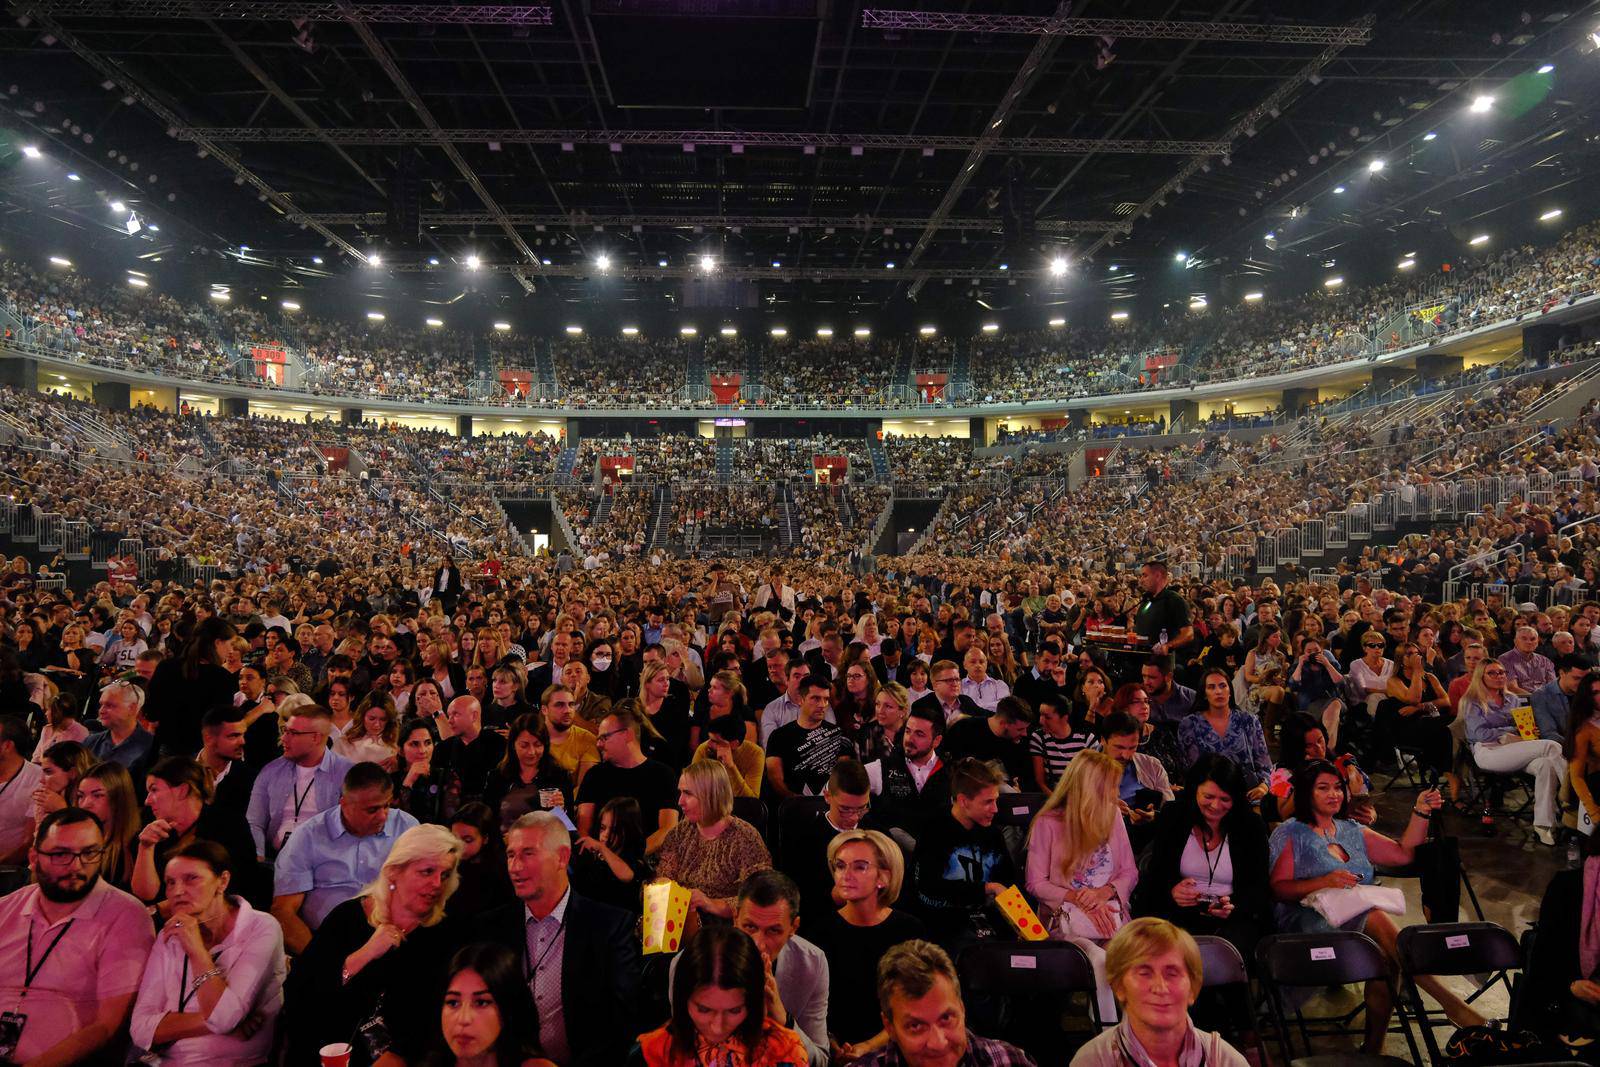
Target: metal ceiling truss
[1275,101]
[405,14]
[115,72]
[1039,57]
[381,55]
[1149,29]
[1041,146]
[583,220]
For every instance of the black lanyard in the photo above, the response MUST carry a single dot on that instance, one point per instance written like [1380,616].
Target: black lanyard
[183,983]
[32,970]
[20,768]
[1206,854]
[532,966]
[300,798]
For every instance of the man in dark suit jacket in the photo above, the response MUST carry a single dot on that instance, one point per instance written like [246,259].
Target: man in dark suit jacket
[447,587]
[587,985]
[947,700]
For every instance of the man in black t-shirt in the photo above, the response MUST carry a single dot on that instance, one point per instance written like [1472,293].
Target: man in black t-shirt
[466,757]
[1001,737]
[1162,611]
[625,771]
[801,754]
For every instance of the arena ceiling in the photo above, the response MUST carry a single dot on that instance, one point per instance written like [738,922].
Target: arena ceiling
[736,149]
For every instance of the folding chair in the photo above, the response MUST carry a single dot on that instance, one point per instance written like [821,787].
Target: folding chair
[1029,981]
[1223,969]
[1414,870]
[1018,809]
[1445,949]
[752,811]
[1311,961]
[790,812]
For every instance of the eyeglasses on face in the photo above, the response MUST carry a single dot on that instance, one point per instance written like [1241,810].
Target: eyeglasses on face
[66,857]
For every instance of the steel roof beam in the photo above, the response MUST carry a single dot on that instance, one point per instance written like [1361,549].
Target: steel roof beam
[1044,146]
[406,14]
[1149,29]
[787,274]
[724,222]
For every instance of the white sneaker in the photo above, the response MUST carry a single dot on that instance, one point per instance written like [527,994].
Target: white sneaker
[1545,835]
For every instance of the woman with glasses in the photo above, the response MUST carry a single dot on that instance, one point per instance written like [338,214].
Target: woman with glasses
[1163,744]
[1498,747]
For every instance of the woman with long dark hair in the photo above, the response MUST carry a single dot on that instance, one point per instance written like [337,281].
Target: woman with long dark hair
[484,881]
[184,687]
[528,778]
[719,1009]
[488,1018]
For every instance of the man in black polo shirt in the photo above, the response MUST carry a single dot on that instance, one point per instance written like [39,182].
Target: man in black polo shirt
[1162,617]
[801,754]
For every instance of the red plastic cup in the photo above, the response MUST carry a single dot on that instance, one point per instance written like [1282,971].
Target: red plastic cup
[335,1055]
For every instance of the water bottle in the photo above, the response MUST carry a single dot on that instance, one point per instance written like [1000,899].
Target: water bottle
[1161,639]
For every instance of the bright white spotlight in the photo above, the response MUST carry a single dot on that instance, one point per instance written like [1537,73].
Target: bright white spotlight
[991,327]
[927,331]
[1058,266]
[1333,282]
[824,331]
[1119,316]
[1058,322]
[1553,213]
[502,326]
[687,331]
[374,260]
[138,283]
[779,331]
[375,316]
[1375,166]
[1181,257]
[433,261]
[118,206]
[602,262]
[317,260]
[661,263]
[1252,297]
[889,265]
[630,331]
[73,178]
[729,331]
[1406,264]
[1430,136]
[1338,188]
[708,263]
[435,323]
[31,151]
[1547,68]
[289,305]
[220,297]
[1482,238]
[862,331]
[573,330]
[60,262]
[1482,104]
[473,262]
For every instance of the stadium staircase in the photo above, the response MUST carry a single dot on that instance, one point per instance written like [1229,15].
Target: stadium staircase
[724,461]
[661,519]
[788,521]
[905,359]
[564,464]
[223,337]
[880,461]
[602,511]
[88,429]
[544,369]
[753,360]
[961,368]
[694,370]
[847,514]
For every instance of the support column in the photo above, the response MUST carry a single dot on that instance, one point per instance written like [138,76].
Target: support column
[978,430]
[463,425]
[1078,418]
[19,372]
[350,416]
[1431,368]
[237,407]
[113,395]
[1297,400]
[1386,378]
[1186,411]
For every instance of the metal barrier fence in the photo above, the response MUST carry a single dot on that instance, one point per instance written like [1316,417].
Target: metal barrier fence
[77,533]
[52,532]
[25,523]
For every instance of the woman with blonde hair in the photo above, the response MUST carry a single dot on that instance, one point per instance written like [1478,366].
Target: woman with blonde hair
[867,633]
[710,851]
[380,957]
[890,709]
[667,712]
[868,874]
[373,735]
[1080,864]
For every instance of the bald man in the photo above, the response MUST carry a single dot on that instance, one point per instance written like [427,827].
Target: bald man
[467,756]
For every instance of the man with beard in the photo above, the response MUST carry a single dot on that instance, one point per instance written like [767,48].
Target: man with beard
[72,951]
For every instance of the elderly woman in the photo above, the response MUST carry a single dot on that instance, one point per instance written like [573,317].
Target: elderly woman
[213,986]
[1154,969]
[374,967]
[710,850]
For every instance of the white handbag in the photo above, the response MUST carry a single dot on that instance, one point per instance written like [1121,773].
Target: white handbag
[1339,906]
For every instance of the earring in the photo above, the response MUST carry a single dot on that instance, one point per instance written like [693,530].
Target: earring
[391,887]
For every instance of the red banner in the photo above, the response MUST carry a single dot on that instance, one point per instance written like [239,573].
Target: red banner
[1160,360]
[269,362]
[615,469]
[516,382]
[931,386]
[725,387]
[338,459]
[830,469]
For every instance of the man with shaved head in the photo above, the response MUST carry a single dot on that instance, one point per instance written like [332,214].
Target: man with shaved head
[466,757]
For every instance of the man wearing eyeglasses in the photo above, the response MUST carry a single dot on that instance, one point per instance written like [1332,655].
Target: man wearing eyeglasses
[806,831]
[627,771]
[72,951]
[291,789]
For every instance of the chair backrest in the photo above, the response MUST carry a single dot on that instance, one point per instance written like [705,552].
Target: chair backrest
[1458,948]
[1338,957]
[1221,962]
[1030,967]
[794,811]
[752,811]
[1018,809]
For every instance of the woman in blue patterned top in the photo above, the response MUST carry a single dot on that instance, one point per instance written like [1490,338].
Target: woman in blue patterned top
[1214,726]
[1322,848]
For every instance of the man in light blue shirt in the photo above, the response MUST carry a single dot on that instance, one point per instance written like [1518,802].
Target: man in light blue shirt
[297,785]
[332,856]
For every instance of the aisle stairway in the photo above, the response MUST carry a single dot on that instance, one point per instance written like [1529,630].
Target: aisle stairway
[724,462]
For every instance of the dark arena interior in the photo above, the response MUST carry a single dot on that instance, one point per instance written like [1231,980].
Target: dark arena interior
[787,533]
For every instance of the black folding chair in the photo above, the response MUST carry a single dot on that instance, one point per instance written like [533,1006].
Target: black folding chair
[752,811]
[1027,983]
[1018,809]
[1223,970]
[792,810]
[1445,949]
[1313,961]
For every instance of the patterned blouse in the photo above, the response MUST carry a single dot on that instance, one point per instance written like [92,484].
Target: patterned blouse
[1243,742]
[715,867]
